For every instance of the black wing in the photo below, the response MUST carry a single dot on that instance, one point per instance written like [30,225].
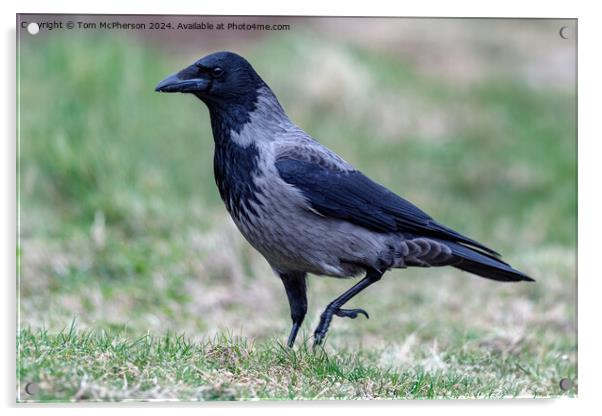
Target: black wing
[351,196]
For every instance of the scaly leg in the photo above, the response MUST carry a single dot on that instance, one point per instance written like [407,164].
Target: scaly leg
[296,288]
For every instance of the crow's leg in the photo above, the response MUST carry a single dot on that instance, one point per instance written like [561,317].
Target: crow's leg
[334,307]
[296,288]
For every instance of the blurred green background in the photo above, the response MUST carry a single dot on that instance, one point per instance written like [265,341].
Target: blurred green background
[122,229]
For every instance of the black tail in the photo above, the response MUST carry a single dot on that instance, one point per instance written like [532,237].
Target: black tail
[485,265]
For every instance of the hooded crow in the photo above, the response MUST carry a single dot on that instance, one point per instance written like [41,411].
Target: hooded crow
[303,207]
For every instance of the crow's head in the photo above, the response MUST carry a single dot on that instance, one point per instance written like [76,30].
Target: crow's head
[220,79]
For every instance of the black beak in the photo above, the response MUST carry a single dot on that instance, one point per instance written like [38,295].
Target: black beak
[174,84]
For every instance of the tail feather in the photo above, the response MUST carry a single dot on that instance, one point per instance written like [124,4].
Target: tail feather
[485,265]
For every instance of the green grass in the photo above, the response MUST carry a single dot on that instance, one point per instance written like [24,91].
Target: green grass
[122,230]
[87,365]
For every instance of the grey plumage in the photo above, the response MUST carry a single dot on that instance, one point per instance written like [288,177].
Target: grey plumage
[303,207]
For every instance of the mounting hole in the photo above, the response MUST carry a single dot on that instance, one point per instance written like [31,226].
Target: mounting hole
[33,28]
[32,388]
[566,384]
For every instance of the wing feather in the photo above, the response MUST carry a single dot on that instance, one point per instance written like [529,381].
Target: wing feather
[349,195]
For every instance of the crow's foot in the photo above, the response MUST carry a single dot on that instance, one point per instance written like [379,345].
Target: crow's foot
[293,335]
[326,318]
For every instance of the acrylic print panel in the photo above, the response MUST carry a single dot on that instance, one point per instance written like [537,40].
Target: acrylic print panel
[136,283]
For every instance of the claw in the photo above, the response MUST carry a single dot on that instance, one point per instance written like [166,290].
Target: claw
[318,338]
[351,313]
[322,328]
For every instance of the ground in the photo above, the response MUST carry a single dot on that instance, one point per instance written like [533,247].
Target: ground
[134,283]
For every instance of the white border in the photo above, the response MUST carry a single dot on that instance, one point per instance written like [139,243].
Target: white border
[589,204]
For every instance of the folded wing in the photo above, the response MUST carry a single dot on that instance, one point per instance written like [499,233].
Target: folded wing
[351,196]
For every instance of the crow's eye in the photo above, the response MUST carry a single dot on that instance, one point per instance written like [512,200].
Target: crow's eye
[217,72]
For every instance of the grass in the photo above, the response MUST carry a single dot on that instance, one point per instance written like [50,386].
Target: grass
[96,366]
[122,230]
